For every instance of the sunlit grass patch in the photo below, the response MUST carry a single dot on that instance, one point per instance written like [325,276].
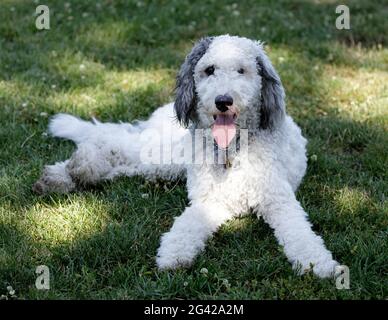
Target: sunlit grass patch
[117,93]
[105,35]
[359,93]
[65,222]
[351,201]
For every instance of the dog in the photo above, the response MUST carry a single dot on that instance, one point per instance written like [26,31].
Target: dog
[225,87]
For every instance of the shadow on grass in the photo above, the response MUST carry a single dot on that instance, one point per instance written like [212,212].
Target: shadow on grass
[125,35]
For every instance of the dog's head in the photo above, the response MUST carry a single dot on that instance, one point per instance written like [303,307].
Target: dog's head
[229,81]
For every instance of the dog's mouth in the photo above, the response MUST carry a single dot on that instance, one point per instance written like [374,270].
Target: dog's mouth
[224,128]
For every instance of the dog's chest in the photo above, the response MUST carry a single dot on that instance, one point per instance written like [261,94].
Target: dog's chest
[231,184]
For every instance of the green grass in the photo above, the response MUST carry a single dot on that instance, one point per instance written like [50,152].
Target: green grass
[117,60]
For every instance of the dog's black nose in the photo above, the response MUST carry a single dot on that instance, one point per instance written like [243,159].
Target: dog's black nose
[223,101]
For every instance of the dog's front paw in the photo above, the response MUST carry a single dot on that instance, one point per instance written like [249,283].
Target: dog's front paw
[177,250]
[325,269]
[171,261]
[322,269]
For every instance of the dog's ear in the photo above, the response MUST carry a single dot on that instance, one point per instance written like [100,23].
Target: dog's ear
[272,108]
[186,99]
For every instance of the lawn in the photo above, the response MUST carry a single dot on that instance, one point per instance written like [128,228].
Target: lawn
[117,60]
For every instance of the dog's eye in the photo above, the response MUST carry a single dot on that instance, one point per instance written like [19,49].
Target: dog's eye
[241,71]
[209,70]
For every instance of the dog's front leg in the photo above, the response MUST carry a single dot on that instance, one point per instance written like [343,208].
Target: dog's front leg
[302,246]
[189,233]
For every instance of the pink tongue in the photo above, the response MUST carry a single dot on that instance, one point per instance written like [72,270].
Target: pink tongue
[224,130]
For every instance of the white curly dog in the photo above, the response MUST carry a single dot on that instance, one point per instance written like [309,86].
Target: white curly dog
[227,89]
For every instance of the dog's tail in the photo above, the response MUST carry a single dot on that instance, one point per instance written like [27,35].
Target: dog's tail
[69,127]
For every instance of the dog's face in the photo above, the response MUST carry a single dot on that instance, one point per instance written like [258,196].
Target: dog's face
[226,82]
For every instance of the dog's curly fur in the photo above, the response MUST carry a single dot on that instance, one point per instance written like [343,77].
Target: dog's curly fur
[263,180]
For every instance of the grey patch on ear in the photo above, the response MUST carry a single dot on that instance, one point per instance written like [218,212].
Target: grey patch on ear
[186,98]
[272,94]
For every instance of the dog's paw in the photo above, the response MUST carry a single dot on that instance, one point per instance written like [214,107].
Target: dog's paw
[39,187]
[325,269]
[172,256]
[177,250]
[172,262]
[45,186]
[322,269]
[53,180]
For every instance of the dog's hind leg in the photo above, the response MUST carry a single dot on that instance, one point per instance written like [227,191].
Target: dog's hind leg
[88,165]
[55,178]
[107,150]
